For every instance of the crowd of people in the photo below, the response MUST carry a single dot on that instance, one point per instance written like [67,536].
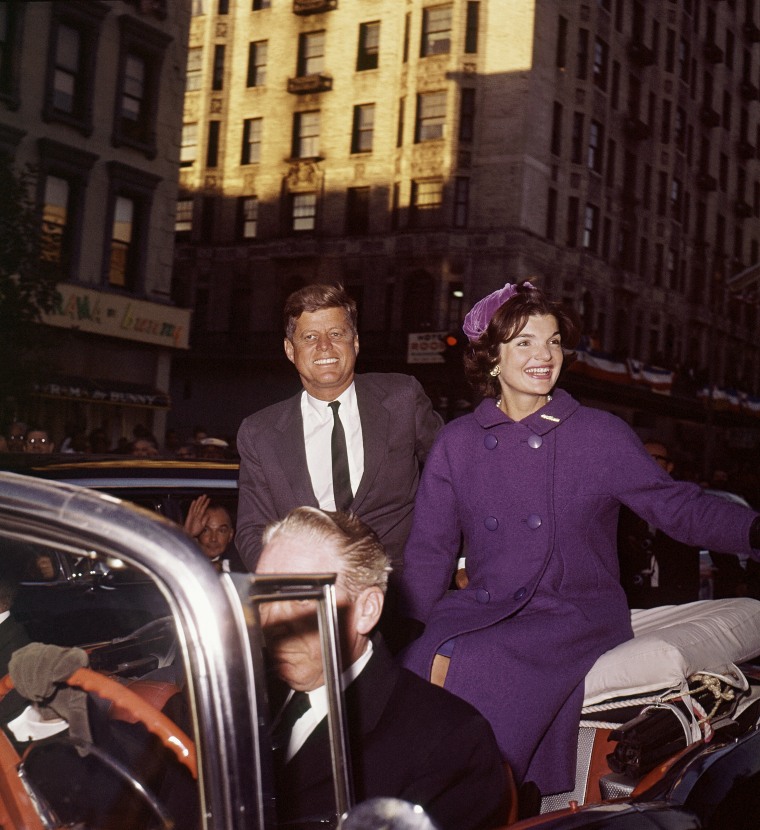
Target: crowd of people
[450,696]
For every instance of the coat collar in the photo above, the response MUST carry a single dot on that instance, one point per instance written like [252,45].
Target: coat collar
[559,409]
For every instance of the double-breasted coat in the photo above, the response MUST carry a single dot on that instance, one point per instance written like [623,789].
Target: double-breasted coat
[537,502]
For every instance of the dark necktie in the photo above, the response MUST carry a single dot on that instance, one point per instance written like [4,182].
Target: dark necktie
[340,473]
[298,705]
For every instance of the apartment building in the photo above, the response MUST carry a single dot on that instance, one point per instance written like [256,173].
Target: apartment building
[426,152]
[91,97]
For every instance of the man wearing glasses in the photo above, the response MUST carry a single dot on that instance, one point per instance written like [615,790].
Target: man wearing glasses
[38,441]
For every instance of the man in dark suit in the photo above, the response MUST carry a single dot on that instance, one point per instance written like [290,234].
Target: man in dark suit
[13,636]
[285,449]
[408,739]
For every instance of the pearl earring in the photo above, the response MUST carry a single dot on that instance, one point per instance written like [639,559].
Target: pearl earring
[495,371]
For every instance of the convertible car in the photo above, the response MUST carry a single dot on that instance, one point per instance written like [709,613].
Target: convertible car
[136,696]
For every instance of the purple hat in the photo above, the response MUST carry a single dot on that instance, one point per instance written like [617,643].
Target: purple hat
[479,316]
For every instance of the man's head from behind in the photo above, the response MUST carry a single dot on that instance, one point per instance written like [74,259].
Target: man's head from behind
[309,540]
[321,339]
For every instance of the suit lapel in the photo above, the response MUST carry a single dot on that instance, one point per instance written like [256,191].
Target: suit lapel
[375,421]
[291,452]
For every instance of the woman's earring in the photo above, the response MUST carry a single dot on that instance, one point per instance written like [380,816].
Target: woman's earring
[495,371]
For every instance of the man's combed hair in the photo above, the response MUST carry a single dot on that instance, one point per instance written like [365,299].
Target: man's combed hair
[508,321]
[316,297]
[365,562]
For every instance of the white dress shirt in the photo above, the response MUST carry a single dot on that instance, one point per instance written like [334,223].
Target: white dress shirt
[311,718]
[317,433]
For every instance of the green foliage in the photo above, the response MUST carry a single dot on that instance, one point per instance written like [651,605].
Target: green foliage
[27,286]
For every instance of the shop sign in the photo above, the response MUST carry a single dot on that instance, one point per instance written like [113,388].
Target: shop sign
[425,347]
[115,315]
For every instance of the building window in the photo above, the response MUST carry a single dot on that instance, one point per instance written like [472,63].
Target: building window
[576,153]
[571,238]
[436,31]
[257,63]
[551,215]
[261,4]
[601,64]
[306,134]
[63,176]
[427,201]
[369,46]
[610,172]
[581,67]
[560,57]
[55,213]
[363,128]
[471,28]
[304,211]
[189,149]
[467,114]
[248,213]
[357,210]
[556,134]
[70,78]
[431,116]
[194,68]
[667,110]
[141,55]
[461,201]
[217,73]
[212,148]
[251,153]
[10,45]
[128,219]
[183,222]
[311,53]
[591,227]
[595,146]
[407,27]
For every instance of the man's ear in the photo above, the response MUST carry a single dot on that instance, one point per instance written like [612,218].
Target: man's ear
[367,609]
[288,350]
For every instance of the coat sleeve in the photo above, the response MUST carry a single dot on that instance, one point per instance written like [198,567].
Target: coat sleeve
[430,555]
[679,508]
[427,422]
[255,504]
[462,783]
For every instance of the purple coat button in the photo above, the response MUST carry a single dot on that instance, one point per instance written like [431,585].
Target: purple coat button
[535,441]
[490,442]
[482,595]
[534,521]
[520,593]
[491,523]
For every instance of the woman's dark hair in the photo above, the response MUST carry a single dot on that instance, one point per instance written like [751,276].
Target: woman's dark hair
[313,298]
[509,320]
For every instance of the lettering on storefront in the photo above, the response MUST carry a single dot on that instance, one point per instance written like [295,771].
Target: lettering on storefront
[117,316]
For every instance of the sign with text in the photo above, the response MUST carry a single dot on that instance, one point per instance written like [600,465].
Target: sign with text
[115,315]
[425,347]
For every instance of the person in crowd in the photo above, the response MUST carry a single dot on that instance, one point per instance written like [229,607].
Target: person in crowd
[98,440]
[187,450]
[15,436]
[407,738]
[213,448]
[533,483]
[144,447]
[38,441]
[347,441]
[211,525]
[3,444]
[654,568]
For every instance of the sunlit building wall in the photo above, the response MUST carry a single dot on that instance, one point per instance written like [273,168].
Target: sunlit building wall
[415,151]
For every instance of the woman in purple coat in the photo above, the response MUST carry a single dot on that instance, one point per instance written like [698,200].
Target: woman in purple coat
[532,482]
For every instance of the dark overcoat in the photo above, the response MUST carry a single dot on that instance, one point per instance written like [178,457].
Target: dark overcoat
[537,504]
[410,740]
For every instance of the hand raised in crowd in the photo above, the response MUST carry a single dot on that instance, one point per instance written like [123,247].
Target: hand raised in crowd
[196,518]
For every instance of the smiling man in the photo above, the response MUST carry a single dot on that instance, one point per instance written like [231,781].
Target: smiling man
[407,738]
[352,442]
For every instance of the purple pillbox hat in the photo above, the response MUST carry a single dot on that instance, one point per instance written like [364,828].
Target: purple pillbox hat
[479,316]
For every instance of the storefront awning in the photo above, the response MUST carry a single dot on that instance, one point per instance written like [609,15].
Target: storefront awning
[93,390]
